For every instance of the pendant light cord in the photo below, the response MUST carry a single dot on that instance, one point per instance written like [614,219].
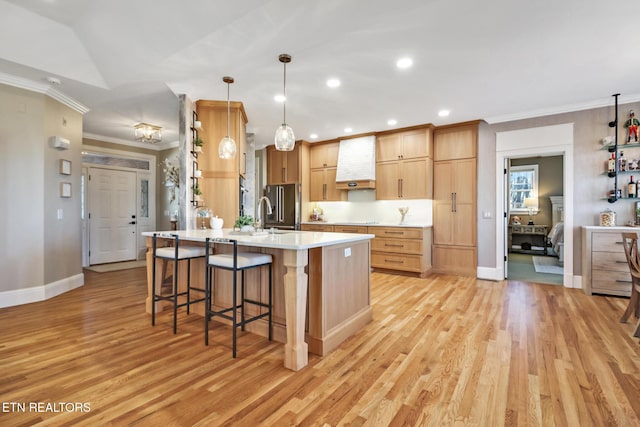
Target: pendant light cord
[228,110]
[284,93]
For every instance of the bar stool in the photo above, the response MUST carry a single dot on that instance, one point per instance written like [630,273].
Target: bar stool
[234,262]
[175,253]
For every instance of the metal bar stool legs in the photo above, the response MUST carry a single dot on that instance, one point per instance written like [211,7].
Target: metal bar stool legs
[236,262]
[176,254]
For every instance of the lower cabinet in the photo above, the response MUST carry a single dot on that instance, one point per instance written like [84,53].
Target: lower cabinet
[604,264]
[401,250]
[316,227]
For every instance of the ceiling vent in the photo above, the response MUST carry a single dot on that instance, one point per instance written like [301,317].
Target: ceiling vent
[357,164]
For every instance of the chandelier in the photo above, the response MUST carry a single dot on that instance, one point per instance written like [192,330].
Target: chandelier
[145,132]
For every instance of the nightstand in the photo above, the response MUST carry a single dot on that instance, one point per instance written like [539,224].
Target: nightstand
[534,235]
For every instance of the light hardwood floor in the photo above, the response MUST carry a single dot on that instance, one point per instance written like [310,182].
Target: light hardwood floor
[442,350]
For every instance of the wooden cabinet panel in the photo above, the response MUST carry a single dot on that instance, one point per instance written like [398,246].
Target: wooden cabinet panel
[350,229]
[397,245]
[402,249]
[322,185]
[408,179]
[324,155]
[604,264]
[404,145]
[283,167]
[316,227]
[456,142]
[455,199]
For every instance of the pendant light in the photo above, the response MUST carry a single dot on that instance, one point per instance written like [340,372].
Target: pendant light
[285,140]
[227,147]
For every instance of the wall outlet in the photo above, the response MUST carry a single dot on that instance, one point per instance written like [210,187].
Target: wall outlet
[347,252]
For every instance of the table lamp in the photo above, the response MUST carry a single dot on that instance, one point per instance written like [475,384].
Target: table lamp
[532,205]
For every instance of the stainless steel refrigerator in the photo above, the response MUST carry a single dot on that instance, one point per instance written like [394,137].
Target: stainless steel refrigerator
[285,207]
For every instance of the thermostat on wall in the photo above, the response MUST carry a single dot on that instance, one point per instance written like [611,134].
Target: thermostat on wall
[59,142]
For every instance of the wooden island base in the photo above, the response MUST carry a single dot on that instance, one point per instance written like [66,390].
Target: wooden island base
[331,280]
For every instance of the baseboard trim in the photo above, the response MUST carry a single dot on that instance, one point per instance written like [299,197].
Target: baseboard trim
[486,273]
[40,293]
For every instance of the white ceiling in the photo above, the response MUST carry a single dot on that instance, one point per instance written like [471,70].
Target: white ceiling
[494,60]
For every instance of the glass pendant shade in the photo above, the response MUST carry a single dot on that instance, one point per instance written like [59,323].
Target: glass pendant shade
[285,140]
[227,148]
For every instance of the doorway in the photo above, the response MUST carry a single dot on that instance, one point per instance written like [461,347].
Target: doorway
[554,140]
[535,224]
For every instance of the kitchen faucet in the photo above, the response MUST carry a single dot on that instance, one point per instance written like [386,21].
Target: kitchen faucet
[259,213]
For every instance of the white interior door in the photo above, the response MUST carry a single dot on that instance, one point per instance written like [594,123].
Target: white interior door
[112,215]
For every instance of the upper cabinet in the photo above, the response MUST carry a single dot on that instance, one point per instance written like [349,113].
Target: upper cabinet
[323,159]
[283,167]
[404,145]
[404,167]
[324,155]
[456,142]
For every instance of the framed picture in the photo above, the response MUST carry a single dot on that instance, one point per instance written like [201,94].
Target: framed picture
[65,167]
[65,189]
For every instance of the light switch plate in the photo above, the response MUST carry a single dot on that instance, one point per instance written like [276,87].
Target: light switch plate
[347,252]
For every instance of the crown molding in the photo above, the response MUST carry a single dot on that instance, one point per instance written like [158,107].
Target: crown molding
[562,109]
[43,88]
[156,147]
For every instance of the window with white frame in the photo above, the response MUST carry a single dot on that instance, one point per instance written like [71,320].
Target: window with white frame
[523,184]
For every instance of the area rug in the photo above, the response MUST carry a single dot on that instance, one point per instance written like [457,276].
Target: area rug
[547,264]
[103,268]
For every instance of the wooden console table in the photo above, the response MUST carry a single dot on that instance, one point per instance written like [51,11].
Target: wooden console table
[535,235]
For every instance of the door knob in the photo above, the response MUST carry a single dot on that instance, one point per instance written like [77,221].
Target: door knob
[132,222]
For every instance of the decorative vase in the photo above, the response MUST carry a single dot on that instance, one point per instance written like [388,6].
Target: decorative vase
[216,223]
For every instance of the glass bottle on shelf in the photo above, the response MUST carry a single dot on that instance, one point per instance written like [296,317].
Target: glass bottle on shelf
[631,188]
[611,164]
[622,162]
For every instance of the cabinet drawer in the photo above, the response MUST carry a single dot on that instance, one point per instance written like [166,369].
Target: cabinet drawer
[397,232]
[350,229]
[397,246]
[316,227]
[611,261]
[608,282]
[397,262]
[607,242]
[529,229]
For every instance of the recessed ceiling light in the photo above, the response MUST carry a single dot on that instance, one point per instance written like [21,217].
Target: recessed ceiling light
[313,136]
[404,63]
[280,98]
[347,130]
[54,81]
[443,113]
[333,83]
[392,122]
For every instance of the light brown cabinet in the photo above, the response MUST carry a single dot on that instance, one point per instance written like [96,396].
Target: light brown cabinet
[323,159]
[283,167]
[316,227]
[404,167]
[455,200]
[324,155]
[401,249]
[220,177]
[410,144]
[404,179]
[322,185]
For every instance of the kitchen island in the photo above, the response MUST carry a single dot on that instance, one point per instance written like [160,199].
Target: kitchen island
[328,272]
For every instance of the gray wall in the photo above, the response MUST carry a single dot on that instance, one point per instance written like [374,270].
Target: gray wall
[38,248]
[590,184]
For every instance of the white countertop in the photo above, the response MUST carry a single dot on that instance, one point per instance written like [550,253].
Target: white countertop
[367,224]
[284,239]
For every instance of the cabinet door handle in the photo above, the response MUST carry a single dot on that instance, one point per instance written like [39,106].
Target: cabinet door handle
[283,174]
[401,187]
[388,245]
[455,201]
[324,191]
[399,190]
[623,281]
[394,232]
[393,261]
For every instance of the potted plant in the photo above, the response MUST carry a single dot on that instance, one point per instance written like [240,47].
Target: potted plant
[198,143]
[244,223]
[196,192]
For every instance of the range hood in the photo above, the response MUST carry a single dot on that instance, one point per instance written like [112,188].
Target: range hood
[357,164]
